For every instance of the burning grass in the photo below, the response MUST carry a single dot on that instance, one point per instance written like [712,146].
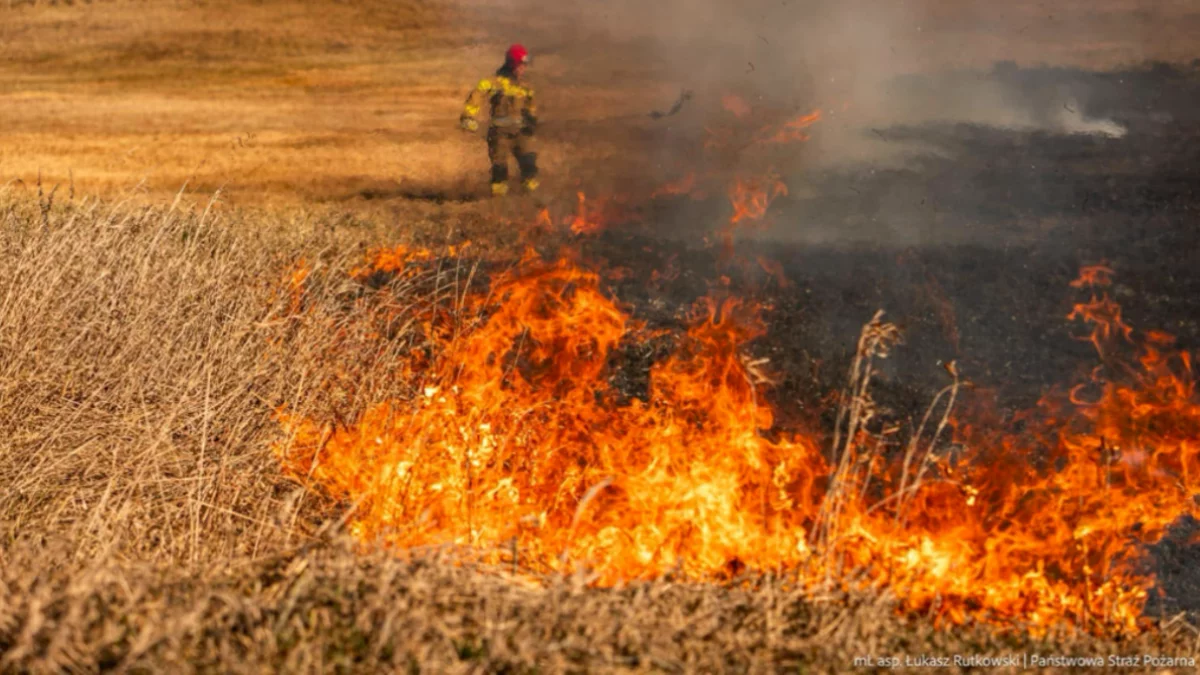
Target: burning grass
[145,523]
[516,446]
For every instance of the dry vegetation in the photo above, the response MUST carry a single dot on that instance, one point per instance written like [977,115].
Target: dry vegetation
[111,94]
[330,610]
[275,103]
[282,103]
[146,525]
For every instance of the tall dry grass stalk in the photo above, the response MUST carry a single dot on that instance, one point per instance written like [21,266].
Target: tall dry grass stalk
[853,448]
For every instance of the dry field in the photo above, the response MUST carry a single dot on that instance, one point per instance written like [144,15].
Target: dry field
[146,526]
[353,105]
[342,106]
[165,167]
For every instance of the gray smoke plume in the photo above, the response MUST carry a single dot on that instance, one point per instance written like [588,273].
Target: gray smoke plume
[869,66]
[846,55]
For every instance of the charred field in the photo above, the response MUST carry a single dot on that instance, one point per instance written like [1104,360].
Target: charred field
[971,248]
[637,365]
[1007,219]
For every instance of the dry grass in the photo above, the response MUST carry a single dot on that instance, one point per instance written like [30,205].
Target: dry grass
[143,523]
[257,95]
[142,353]
[133,373]
[277,102]
[145,526]
[282,103]
[321,101]
[329,610]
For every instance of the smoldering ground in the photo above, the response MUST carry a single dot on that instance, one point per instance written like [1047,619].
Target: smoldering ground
[970,158]
[888,78]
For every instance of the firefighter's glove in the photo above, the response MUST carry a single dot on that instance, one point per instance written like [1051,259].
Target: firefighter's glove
[468,124]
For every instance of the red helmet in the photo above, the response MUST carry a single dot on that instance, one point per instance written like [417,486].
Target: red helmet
[516,54]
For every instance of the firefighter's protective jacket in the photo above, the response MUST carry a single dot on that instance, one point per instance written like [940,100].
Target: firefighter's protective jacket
[511,103]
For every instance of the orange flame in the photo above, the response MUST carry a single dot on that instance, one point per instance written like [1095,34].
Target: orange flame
[792,131]
[296,279]
[751,197]
[1093,275]
[774,269]
[585,220]
[485,457]
[519,443]
[683,186]
[736,105]
[669,273]
[393,260]
[1101,311]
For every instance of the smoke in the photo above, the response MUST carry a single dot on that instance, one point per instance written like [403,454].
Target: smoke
[877,70]
[856,59]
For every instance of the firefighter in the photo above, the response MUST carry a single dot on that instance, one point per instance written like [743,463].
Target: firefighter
[512,121]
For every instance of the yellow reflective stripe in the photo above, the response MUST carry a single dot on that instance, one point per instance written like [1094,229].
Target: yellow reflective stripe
[471,110]
[485,85]
[516,90]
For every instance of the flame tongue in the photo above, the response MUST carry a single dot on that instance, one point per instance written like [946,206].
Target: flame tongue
[519,442]
[791,131]
[519,445]
[518,437]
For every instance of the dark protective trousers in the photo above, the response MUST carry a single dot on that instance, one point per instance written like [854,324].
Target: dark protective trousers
[502,143]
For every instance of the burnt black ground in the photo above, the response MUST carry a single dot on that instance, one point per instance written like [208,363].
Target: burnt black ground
[1013,215]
